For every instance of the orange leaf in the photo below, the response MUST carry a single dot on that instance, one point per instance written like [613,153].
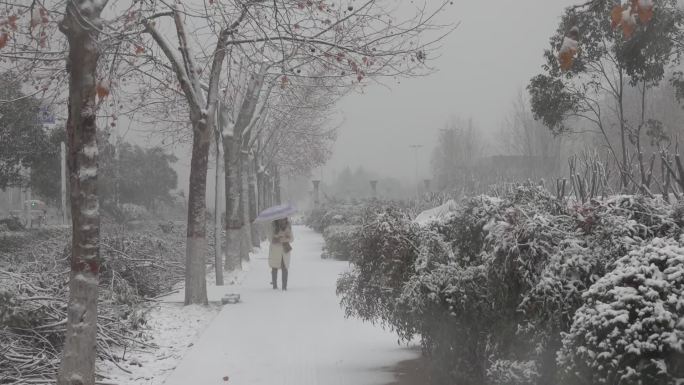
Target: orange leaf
[645,10]
[101,89]
[645,15]
[3,39]
[567,53]
[616,16]
[139,49]
[565,59]
[628,26]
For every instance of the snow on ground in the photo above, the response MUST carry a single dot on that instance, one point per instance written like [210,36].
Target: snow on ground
[173,329]
[170,331]
[297,337]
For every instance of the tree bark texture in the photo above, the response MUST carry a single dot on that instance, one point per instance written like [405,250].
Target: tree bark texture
[246,239]
[218,227]
[195,260]
[233,217]
[276,187]
[253,202]
[80,27]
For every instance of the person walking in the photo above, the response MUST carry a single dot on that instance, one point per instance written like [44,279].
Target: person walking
[279,250]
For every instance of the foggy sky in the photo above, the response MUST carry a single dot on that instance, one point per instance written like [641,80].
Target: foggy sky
[481,68]
[494,52]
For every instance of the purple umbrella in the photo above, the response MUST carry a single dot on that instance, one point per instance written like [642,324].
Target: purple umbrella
[276,212]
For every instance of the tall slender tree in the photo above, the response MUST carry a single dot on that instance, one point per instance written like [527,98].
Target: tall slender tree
[81,25]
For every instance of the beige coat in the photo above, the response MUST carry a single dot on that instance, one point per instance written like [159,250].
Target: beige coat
[276,252]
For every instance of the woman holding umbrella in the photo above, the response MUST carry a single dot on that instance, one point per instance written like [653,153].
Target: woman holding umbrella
[279,251]
[280,236]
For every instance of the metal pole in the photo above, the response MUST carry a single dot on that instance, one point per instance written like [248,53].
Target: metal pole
[27,207]
[415,148]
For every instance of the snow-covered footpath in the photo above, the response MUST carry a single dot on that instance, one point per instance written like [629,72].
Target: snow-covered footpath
[297,337]
[170,330]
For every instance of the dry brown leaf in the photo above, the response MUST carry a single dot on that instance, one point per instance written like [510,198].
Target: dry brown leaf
[102,90]
[629,26]
[616,16]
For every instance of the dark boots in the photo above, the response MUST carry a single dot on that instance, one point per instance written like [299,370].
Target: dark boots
[284,278]
[274,278]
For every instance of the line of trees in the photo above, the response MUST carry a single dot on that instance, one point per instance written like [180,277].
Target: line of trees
[256,78]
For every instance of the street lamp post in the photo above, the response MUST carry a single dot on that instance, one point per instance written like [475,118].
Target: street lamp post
[374,188]
[415,148]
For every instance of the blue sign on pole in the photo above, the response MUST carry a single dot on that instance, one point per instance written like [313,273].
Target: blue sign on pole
[46,116]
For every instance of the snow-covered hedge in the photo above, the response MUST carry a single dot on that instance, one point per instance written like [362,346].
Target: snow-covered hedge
[492,288]
[339,241]
[382,260]
[334,214]
[630,329]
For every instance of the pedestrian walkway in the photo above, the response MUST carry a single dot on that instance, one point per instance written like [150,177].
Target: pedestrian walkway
[297,337]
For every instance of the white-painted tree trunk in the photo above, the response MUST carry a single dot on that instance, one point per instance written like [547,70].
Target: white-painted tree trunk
[218,228]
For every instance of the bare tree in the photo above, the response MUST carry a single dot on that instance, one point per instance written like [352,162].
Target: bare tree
[453,160]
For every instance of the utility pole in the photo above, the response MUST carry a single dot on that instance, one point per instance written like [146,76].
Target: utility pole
[415,148]
[64,176]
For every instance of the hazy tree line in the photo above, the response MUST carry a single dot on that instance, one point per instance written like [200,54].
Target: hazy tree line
[606,110]
[129,173]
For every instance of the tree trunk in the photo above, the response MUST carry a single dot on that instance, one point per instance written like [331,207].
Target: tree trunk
[626,171]
[276,187]
[253,203]
[246,239]
[78,359]
[233,217]
[261,192]
[218,228]
[195,261]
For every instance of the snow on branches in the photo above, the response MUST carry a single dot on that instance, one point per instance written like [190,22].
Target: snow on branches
[499,286]
[630,329]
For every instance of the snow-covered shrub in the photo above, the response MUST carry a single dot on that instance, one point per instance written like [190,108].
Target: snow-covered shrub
[463,229]
[491,287]
[339,241]
[448,306]
[382,260]
[505,372]
[630,329]
[314,218]
[134,212]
